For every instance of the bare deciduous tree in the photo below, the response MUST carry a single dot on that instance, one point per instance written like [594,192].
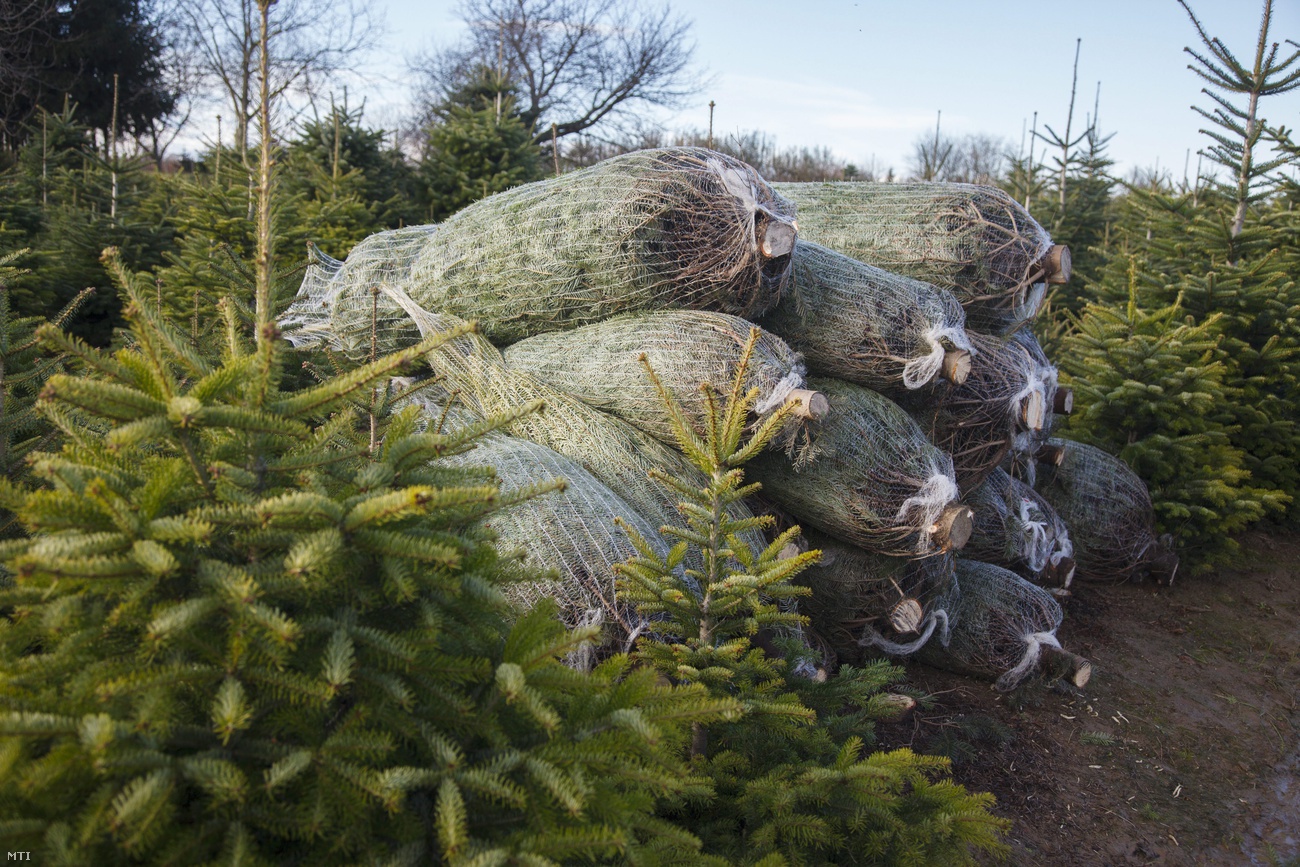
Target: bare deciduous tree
[975,158]
[577,64]
[312,41]
[25,31]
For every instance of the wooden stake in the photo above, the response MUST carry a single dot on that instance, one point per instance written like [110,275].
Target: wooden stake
[1057,265]
[112,207]
[711,103]
[555,148]
[1054,660]
[906,616]
[778,239]
[953,529]
[956,366]
[809,404]
[1063,401]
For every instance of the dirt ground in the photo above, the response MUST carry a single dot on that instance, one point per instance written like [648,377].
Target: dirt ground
[1182,749]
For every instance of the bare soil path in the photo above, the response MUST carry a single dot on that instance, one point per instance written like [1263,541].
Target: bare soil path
[1183,749]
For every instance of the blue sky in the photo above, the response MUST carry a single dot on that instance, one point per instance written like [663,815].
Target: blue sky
[866,78]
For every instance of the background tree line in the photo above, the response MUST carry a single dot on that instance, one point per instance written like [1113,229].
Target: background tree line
[1178,330]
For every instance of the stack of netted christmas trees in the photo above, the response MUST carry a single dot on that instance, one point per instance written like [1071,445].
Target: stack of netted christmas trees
[922,402]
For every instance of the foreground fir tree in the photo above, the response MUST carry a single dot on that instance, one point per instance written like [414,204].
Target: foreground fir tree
[24,368]
[794,782]
[248,630]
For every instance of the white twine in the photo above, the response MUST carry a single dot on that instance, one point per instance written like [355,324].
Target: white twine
[872,638]
[1034,643]
[1038,541]
[919,371]
[1064,548]
[776,397]
[938,491]
[1032,302]
[743,189]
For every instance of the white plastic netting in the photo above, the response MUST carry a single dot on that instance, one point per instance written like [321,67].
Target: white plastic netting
[999,625]
[600,364]
[654,229]
[571,531]
[1017,529]
[975,241]
[1107,507]
[857,597]
[616,453]
[866,474]
[863,324]
[977,422]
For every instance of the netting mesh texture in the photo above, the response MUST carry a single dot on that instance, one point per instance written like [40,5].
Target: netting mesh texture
[860,599]
[1017,529]
[865,473]
[999,624]
[975,241]
[654,229]
[1107,508]
[571,531]
[600,364]
[977,422]
[863,324]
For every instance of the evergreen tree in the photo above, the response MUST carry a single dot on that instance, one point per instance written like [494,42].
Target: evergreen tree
[1239,130]
[330,149]
[794,783]
[479,145]
[239,632]
[1160,393]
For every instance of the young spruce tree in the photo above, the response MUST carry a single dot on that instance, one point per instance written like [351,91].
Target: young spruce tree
[793,780]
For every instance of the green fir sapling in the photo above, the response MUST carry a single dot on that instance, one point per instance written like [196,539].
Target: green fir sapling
[794,782]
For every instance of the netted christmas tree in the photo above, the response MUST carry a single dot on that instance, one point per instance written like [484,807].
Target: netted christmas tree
[866,325]
[1014,527]
[1003,628]
[861,601]
[977,422]
[655,229]
[1108,510]
[600,363]
[568,528]
[974,241]
[867,474]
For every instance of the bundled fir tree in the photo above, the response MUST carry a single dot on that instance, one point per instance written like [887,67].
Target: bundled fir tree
[794,782]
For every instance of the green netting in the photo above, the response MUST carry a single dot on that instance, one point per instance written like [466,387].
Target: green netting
[600,364]
[655,229]
[976,422]
[571,531]
[856,595]
[865,325]
[1017,529]
[865,474]
[975,241]
[999,625]
[1107,508]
